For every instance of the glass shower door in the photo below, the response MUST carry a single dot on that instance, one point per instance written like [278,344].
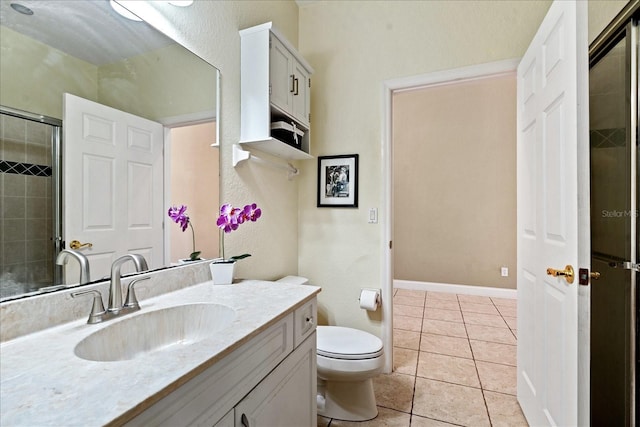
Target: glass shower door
[613,140]
[29,188]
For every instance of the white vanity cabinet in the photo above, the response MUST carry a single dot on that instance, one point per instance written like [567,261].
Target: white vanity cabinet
[267,381]
[287,396]
[275,93]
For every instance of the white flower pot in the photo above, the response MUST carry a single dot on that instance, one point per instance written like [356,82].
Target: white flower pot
[222,272]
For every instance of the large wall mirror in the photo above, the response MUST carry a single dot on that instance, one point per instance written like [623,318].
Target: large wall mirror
[79,86]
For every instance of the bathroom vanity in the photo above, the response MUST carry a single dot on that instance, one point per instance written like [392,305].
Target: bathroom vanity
[233,355]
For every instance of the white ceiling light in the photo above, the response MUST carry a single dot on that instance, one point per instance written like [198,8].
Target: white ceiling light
[21,9]
[122,11]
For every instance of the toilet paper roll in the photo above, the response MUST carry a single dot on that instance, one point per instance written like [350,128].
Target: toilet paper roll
[369,299]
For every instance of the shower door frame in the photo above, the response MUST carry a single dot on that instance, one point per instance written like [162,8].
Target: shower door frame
[625,26]
[56,181]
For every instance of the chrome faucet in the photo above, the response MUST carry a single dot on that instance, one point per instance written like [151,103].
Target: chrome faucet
[64,255]
[115,288]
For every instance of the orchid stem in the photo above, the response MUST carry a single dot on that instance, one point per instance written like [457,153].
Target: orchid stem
[222,243]
[193,235]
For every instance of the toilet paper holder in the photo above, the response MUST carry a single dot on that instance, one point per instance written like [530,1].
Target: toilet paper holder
[369,299]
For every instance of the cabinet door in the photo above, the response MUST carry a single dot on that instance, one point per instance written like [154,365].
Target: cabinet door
[287,396]
[280,75]
[300,100]
[226,421]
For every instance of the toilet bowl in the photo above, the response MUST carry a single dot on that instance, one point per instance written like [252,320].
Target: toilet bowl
[347,361]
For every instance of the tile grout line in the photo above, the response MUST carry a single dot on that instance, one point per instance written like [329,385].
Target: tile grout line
[504,320]
[475,365]
[415,375]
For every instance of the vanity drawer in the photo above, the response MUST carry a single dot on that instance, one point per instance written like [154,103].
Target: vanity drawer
[304,321]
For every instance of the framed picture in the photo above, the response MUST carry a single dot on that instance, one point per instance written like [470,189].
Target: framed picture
[338,181]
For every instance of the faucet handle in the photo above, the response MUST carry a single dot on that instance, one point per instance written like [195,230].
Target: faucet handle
[131,301]
[97,310]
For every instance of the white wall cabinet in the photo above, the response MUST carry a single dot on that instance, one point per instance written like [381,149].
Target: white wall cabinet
[267,381]
[275,87]
[289,83]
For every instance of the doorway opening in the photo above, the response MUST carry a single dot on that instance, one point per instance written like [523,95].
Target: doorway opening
[194,182]
[391,87]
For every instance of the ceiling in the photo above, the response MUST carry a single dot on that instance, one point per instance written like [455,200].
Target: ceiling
[89,29]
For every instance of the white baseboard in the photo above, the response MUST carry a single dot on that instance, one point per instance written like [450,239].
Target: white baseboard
[456,289]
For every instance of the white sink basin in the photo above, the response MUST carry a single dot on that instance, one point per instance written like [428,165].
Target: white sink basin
[157,330]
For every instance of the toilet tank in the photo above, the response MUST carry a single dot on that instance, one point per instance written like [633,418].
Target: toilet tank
[294,280]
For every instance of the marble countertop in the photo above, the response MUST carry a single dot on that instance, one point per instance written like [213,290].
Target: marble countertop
[42,381]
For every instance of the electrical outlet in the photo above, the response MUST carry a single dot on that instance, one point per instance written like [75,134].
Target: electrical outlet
[504,271]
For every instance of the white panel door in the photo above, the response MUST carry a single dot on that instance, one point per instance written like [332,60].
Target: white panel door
[552,222]
[113,184]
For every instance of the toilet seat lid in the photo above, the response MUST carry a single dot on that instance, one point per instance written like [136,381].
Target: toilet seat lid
[339,342]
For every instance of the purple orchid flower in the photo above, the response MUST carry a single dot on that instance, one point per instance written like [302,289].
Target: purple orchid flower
[230,219]
[177,214]
[251,212]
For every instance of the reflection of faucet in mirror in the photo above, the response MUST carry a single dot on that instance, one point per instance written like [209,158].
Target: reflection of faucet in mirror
[115,289]
[64,255]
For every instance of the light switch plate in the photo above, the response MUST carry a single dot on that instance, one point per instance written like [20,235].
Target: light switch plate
[373,215]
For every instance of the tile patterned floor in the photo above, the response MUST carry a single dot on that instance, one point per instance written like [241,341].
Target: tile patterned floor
[454,364]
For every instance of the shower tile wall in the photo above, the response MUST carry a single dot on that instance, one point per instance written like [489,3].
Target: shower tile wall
[26,247]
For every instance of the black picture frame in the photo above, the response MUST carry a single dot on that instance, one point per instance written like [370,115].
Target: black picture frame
[338,181]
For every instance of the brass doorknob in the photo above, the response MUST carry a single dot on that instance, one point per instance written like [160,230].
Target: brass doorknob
[75,244]
[567,273]
[594,275]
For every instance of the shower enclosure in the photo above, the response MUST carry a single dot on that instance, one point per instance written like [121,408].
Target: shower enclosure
[613,99]
[30,226]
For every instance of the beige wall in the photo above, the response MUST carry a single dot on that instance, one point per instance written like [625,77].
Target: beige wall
[159,84]
[40,91]
[354,47]
[152,85]
[454,187]
[197,187]
[210,29]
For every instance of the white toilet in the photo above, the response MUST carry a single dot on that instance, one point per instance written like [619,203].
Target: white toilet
[347,361]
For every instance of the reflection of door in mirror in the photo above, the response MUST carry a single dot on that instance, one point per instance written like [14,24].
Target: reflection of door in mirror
[113,186]
[28,221]
[194,183]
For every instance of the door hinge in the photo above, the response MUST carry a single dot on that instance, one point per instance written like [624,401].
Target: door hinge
[269,88]
[309,117]
[309,82]
[390,244]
